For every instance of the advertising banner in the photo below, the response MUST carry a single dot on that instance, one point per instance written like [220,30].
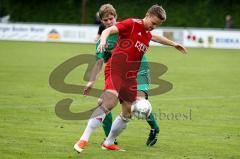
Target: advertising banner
[203,38]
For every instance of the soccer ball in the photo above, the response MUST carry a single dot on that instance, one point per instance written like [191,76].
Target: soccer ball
[141,108]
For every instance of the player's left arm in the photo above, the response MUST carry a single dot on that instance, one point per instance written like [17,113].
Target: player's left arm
[166,41]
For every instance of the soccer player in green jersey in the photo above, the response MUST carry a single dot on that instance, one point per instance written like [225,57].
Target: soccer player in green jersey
[108,18]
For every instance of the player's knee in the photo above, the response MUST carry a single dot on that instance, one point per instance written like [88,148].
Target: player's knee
[112,102]
[109,102]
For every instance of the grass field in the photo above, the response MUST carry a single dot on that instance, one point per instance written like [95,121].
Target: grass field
[206,88]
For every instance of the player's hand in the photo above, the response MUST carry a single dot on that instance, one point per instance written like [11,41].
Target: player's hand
[181,48]
[88,88]
[102,46]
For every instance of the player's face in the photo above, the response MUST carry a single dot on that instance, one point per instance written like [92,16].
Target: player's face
[108,20]
[151,22]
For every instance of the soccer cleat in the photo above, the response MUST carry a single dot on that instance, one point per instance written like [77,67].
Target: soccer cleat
[152,138]
[112,147]
[115,141]
[80,145]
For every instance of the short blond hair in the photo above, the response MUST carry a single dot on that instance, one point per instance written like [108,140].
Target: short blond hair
[107,9]
[158,11]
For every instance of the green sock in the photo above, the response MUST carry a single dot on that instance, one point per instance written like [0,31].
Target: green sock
[107,124]
[152,122]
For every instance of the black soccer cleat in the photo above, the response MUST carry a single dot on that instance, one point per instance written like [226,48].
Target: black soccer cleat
[152,138]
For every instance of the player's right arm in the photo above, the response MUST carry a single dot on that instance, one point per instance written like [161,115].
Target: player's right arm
[103,39]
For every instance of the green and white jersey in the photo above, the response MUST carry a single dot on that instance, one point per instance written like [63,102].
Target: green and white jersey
[143,76]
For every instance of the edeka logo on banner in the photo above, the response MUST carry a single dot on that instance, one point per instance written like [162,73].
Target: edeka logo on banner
[228,40]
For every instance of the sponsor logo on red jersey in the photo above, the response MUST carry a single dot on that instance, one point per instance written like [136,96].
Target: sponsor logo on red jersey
[141,46]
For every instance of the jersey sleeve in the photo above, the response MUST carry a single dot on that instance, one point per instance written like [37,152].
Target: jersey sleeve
[125,27]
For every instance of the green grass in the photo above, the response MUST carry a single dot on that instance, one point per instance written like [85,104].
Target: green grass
[206,81]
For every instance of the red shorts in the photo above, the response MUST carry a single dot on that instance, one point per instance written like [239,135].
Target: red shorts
[117,78]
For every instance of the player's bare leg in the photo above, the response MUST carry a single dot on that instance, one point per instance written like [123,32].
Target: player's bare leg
[108,101]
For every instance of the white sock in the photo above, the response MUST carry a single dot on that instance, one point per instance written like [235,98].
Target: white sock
[94,122]
[118,126]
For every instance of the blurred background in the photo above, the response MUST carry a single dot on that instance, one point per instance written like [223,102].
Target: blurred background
[38,36]
[184,13]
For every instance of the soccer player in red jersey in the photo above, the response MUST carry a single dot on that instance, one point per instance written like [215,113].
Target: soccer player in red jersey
[121,71]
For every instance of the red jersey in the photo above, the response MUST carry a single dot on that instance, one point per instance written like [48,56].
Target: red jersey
[133,39]
[122,68]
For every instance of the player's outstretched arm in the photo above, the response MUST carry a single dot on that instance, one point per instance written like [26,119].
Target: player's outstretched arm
[166,41]
[93,76]
[103,39]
